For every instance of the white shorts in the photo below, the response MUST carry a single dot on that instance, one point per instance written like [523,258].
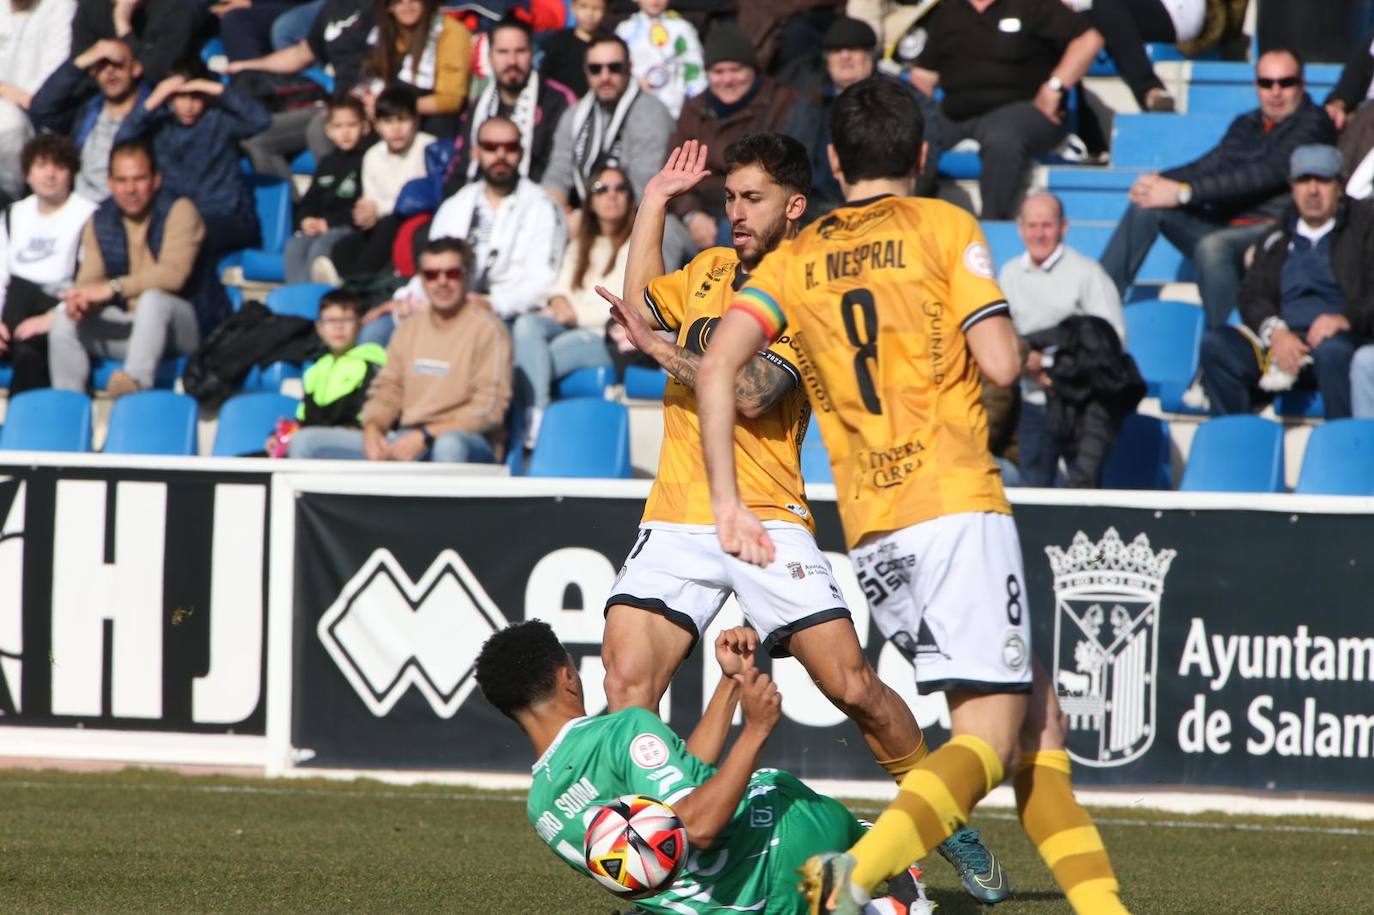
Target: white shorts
[685,576]
[950,595]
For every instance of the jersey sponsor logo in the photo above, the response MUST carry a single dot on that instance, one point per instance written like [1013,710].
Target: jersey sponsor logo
[1014,652]
[387,633]
[699,335]
[894,466]
[1106,643]
[978,260]
[838,227]
[648,751]
[798,510]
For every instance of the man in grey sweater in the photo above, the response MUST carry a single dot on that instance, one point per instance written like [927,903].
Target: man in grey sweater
[613,121]
[1045,285]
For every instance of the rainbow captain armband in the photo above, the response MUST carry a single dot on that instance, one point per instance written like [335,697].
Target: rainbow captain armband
[763,308]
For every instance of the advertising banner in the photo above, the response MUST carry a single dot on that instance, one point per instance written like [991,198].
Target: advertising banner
[1220,648]
[132,599]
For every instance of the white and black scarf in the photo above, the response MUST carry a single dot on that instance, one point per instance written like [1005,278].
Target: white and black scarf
[524,115]
[593,137]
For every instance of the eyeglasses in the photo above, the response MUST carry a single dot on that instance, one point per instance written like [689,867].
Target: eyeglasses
[1283,82]
[452,274]
[616,67]
[619,188]
[491,146]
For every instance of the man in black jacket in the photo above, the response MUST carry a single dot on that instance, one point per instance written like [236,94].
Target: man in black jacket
[1307,300]
[1215,208]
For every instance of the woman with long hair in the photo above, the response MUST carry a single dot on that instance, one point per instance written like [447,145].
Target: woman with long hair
[416,44]
[570,332]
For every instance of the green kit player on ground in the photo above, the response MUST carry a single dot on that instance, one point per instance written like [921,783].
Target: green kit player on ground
[748,830]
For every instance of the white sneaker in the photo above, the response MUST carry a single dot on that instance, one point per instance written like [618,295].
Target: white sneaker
[1196,398]
[534,417]
[322,270]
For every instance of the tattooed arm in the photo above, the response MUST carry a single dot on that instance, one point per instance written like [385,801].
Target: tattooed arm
[758,386]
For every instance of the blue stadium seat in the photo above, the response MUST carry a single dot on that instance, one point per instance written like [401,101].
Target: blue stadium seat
[153,422]
[591,382]
[583,437]
[1300,403]
[270,377]
[164,377]
[1140,456]
[47,419]
[1339,460]
[1157,141]
[272,196]
[246,420]
[303,164]
[301,300]
[1003,241]
[1163,336]
[815,463]
[1090,240]
[643,383]
[6,374]
[319,76]
[1235,454]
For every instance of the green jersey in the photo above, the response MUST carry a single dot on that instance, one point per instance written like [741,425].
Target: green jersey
[751,867]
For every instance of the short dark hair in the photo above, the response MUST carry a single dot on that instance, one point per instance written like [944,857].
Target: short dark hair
[783,158]
[397,101]
[1284,49]
[512,21]
[518,666]
[603,37]
[57,148]
[342,298]
[137,147]
[191,67]
[449,245]
[876,128]
[349,101]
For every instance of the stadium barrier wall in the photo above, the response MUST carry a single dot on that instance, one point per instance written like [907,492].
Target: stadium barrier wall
[1204,641]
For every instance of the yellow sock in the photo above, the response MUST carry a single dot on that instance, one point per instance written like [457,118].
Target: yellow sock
[935,798]
[899,767]
[1064,834]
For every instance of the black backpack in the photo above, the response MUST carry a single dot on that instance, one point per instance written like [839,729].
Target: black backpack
[251,336]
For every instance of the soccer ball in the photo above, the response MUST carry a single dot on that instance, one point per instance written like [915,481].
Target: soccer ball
[635,846]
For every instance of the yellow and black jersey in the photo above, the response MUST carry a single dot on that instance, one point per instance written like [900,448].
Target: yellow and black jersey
[767,449]
[876,298]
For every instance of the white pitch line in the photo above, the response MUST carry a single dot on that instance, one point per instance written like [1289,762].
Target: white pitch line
[486,796]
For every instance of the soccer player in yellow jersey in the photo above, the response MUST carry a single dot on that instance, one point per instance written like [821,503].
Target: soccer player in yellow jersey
[891,304]
[676,577]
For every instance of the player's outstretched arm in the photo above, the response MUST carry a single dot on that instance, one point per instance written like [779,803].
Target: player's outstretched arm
[758,386]
[735,653]
[735,341]
[707,810]
[684,170]
[997,349]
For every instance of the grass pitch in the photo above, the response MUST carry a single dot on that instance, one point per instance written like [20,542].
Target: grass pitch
[141,841]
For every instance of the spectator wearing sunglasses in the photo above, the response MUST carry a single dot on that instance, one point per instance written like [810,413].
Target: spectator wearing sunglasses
[614,121]
[1215,208]
[516,231]
[443,392]
[569,333]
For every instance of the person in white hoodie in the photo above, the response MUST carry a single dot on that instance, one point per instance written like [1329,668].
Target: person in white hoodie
[39,238]
[515,228]
[35,38]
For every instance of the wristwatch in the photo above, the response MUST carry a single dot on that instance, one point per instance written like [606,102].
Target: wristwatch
[116,287]
[1055,83]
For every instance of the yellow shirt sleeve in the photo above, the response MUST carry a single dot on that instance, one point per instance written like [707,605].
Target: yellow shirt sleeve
[762,297]
[974,293]
[666,296]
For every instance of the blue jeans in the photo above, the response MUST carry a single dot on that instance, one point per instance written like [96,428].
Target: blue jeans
[1231,373]
[292,26]
[378,331]
[330,443]
[1216,250]
[1362,383]
[1039,461]
[545,350]
[301,251]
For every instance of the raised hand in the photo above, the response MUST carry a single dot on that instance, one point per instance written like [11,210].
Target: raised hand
[684,170]
[637,330]
[760,699]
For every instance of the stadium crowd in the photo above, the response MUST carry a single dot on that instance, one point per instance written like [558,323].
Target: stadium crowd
[467,175]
